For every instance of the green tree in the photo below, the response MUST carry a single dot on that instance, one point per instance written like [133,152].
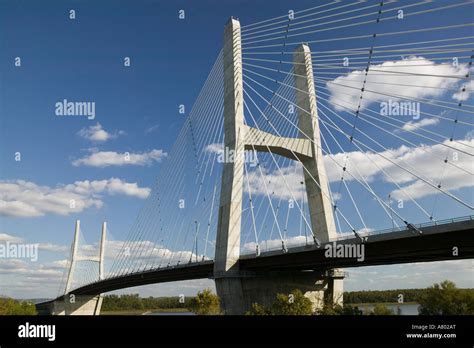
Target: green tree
[205,303]
[446,299]
[134,302]
[380,309]
[329,309]
[294,303]
[379,296]
[336,309]
[297,304]
[258,309]
[13,307]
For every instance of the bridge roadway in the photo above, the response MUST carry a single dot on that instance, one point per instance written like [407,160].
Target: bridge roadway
[435,243]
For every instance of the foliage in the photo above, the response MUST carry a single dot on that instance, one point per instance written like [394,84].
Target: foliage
[14,307]
[294,303]
[134,302]
[331,309]
[381,296]
[257,309]
[380,309]
[122,302]
[426,297]
[205,303]
[446,299]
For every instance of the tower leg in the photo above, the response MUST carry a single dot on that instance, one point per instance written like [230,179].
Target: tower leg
[72,266]
[226,267]
[316,181]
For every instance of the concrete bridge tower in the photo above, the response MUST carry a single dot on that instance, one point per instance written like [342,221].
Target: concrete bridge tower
[71,304]
[237,289]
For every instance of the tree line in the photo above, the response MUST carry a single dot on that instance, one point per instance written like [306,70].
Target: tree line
[135,302]
[407,295]
[10,306]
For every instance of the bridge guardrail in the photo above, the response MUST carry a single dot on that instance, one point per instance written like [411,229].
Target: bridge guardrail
[426,224]
[388,230]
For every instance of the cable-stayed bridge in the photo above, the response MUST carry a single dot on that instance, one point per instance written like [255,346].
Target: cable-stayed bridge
[335,136]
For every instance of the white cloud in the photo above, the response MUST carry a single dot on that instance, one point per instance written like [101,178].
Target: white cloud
[11,265]
[425,159]
[4,237]
[53,247]
[111,186]
[410,275]
[411,126]
[388,83]
[9,238]
[26,269]
[152,129]
[275,244]
[275,184]
[215,148]
[98,134]
[18,209]
[462,96]
[64,263]
[111,158]
[26,199]
[152,252]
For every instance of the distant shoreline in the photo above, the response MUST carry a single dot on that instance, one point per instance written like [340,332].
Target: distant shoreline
[380,303]
[145,312]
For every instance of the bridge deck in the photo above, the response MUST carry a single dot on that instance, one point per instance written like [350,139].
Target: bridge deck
[434,244]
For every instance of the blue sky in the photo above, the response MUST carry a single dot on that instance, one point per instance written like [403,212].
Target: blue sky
[137,106]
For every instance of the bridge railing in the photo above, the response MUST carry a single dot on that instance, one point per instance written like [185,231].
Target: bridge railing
[350,235]
[425,224]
